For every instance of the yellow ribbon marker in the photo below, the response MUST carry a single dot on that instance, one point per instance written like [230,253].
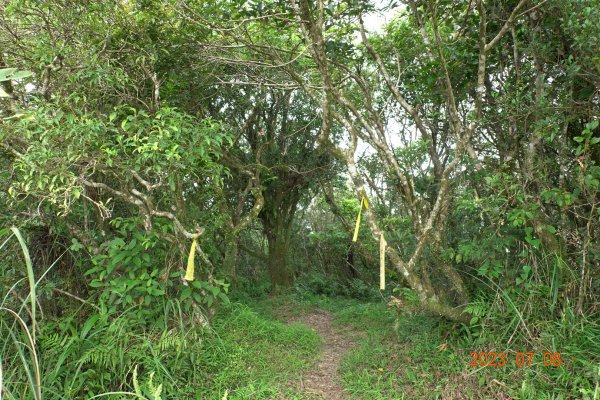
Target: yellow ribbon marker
[189,272]
[363,202]
[382,244]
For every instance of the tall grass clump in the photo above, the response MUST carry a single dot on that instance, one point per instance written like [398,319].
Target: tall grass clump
[81,354]
[538,315]
[20,375]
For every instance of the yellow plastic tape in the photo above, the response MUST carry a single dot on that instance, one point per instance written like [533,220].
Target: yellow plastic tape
[363,202]
[189,272]
[382,244]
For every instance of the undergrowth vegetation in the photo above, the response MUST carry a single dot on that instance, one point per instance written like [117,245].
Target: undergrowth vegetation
[428,358]
[91,353]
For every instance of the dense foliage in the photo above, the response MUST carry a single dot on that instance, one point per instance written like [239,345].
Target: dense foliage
[130,128]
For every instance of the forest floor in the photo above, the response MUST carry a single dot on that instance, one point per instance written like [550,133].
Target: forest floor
[316,347]
[365,353]
[323,380]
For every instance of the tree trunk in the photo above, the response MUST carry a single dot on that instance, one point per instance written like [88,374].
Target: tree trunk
[421,286]
[230,259]
[277,262]
[281,201]
[351,268]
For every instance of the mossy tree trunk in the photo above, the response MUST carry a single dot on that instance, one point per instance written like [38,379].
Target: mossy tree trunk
[230,259]
[279,270]
[281,201]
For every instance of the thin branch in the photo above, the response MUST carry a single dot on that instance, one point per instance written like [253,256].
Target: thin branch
[506,25]
[57,290]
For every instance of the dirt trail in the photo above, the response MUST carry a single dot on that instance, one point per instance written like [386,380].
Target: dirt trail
[323,380]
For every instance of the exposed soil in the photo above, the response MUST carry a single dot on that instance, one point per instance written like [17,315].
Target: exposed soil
[323,380]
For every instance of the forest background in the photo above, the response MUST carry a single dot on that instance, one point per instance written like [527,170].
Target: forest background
[129,128]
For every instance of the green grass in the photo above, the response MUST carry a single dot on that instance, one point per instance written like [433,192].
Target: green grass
[255,357]
[406,362]
[394,358]
[405,356]
[244,354]
[15,333]
[423,357]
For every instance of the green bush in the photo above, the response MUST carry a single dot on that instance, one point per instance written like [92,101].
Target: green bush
[247,288]
[319,284]
[358,289]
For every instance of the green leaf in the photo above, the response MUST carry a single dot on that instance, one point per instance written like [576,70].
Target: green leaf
[5,73]
[30,276]
[592,125]
[118,258]
[95,283]
[224,298]
[197,284]
[197,297]
[482,380]
[21,75]
[75,245]
[88,325]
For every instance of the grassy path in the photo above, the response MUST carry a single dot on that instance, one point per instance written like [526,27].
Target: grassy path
[332,348]
[367,353]
[323,380]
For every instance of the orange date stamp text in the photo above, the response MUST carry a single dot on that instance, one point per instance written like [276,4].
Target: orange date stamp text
[501,359]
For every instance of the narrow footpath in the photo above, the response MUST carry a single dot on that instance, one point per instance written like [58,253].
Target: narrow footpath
[323,380]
